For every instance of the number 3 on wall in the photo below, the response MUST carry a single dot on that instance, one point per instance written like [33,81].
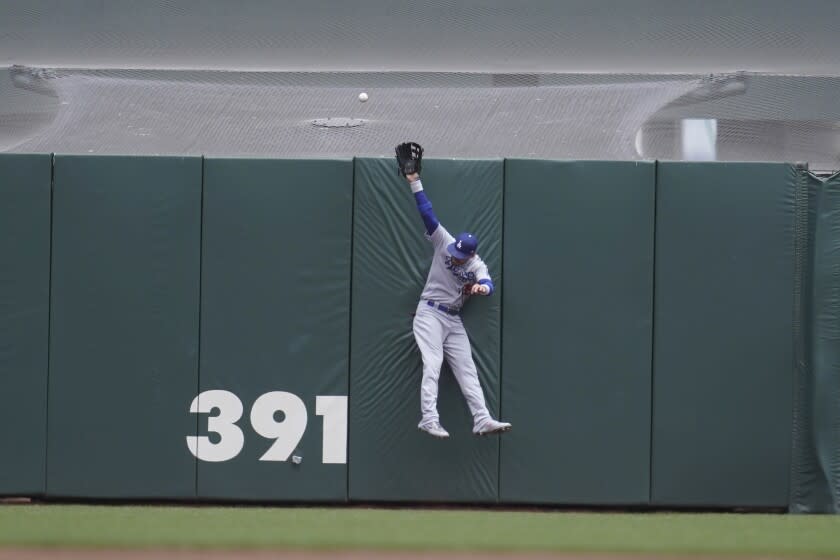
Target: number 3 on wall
[286,433]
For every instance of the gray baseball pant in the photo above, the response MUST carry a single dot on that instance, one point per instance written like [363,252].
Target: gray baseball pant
[440,335]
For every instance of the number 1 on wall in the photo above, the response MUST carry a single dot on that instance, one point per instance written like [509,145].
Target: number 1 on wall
[334,411]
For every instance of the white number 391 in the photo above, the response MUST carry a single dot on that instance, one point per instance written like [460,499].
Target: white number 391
[286,433]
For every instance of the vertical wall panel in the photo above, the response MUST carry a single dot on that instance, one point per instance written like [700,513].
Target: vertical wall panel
[24,319]
[578,265]
[815,471]
[275,317]
[390,458]
[723,361]
[826,339]
[124,326]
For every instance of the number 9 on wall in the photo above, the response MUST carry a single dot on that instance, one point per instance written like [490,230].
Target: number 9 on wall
[286,433]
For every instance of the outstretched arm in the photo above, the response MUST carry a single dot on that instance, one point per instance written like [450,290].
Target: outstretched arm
[424,206]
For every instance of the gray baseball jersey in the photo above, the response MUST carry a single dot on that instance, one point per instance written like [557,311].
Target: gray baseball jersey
[448,283]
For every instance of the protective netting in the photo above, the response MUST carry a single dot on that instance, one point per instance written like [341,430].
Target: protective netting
[742,116]
[586,79]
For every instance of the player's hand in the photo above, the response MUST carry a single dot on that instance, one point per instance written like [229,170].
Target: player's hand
[412,177]
[480,289]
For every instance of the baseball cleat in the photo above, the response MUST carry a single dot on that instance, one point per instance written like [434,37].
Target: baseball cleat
[434,429]
[491,426]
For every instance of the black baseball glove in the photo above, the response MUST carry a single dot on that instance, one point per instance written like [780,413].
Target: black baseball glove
[409,158]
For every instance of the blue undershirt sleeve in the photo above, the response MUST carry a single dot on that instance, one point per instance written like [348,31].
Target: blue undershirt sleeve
[424,206]
[489,283]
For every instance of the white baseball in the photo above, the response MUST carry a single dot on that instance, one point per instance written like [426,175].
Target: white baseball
[363,97]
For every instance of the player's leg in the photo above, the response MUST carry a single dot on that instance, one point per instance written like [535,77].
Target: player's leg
[456,348]
[429,333]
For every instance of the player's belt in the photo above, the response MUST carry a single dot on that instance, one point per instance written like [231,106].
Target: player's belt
[444,308]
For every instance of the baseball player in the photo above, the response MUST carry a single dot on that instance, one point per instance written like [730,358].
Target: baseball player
[456,273]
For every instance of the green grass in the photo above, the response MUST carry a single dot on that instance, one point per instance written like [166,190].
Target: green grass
[393,529]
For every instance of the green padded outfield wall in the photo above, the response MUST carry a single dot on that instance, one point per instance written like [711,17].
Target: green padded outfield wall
[275,328]
[825,339]
[124,326]
[390,459]
[815,473]
[723,341]
[578,267]
[808,486]
[24,320]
